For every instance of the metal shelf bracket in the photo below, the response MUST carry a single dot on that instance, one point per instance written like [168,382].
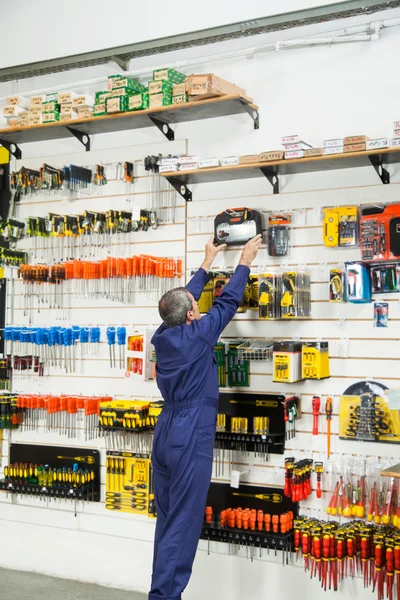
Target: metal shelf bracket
[11,147]
[254,114]
[376,161]
[163,127]
[82,137]
[181,188]
[272,177]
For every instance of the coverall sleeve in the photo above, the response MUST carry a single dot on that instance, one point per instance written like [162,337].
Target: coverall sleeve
[197,283]
[224,307]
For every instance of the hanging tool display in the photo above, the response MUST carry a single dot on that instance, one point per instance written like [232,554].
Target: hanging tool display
[10,415]
[129,484]
[255,350]
[64,237]
[51,471]
[238,368]
[328,413]
[298,479]
[284,295]
[340,226]
[380,232]
[5,374]
[253,424]
[358,283]
[12,230]
[65,415]
[364,414]
[287,362]
[236,226]
[385,278]
[24,365]
[264,525]
[316,406]
[278,234]
[164,201]
[318,469]
[334,553]
[315,360]
[12,258]
[216,283]
[129,424]
[117,279]
[219,353]
[71,177]
[337,285]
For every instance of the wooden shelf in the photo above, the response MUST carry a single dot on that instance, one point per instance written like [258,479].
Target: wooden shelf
[392,472]
[272,170]
[179,113]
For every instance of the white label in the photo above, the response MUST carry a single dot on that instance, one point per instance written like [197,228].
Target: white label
[99,108]
[162,74]
[396,134]
[332,143]
[113,105]
[179,99]
[374,144]
[189,166]
[235,477]
[37,100]
[294,154]
[334,150]
[395,143]
[155,87]
[290,139]
[49,117]
[66,116]
[83,101]
[229,161]
[208,162]
[396,125]
[188,159]
[135,213]
[298,146]
[66,97]
[49,106]
[34,111]
[169,161]
[103,97]
[168,168]
[135,101]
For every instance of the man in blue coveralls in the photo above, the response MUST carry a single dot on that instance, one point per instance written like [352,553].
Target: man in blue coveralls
[185,432]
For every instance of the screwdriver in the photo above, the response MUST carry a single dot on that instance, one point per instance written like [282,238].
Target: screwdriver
[328,412]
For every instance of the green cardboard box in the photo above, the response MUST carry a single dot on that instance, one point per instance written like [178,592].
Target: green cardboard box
[101,97]
[160,87]
[51,117]
[50,106]
[169,75]
[160,100]
[125,82]
[117,104]
[138,101]
[100,109]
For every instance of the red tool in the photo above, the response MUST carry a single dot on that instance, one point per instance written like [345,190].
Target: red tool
[316,405]
[328,412]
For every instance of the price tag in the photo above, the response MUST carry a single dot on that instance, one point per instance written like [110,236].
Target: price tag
[235,476]
[135,213]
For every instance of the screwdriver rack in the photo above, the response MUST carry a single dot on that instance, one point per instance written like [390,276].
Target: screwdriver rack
[270,501]
[58,457]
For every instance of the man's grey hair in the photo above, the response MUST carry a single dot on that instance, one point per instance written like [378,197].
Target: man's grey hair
[173,307]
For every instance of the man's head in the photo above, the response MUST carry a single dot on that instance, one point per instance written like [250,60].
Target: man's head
[177,307]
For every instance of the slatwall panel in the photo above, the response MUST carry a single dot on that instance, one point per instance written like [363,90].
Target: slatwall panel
[92,373]
[357,349]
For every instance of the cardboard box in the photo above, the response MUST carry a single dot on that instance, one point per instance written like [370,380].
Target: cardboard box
[18,101]
[271,155]
[50,106]
[110,80]
[178,89]
[206,163]
[132,84]
[12,110]
[117,104]
[189,166]
[168,168]
[23,118]
[180,99]
[35,119]
[84,112]
[138,101]
[67,109]
[99,110]
[378,143]
[67,116]
[51,97]
[333,150]
[354,147]
[290,139]
[355,139]
[249,158]
[84,100]
[313,152]
[12,122]
[209,85]
[336,143]
[395,143]
[120,92]
[101,97]
[229,161]
[294,154]
[35,110]
[51,117]
[160,87]
[37,100]
[169,75]
[66,97]
[297,146]
[160,100]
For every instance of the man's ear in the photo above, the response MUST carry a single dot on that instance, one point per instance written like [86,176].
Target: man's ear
[189,315]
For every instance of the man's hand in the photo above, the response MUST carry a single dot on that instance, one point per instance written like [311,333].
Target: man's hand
[211,252]
[250,250]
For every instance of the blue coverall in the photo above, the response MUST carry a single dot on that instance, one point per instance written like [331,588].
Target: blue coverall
[185,433]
